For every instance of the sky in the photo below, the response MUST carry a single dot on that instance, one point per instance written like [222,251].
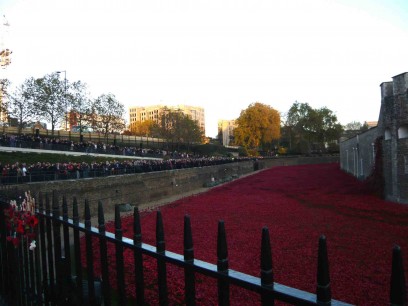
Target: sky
[218,54]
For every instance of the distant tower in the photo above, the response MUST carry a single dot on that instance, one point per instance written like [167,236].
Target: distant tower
[5,54]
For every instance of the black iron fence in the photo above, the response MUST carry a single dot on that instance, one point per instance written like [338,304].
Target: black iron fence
[53,273]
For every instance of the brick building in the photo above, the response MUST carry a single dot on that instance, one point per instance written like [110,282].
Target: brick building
[357,154]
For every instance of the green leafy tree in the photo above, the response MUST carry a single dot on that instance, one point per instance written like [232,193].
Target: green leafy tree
[21,103]
[258,126]
[105,114]
[80,103]
[298,126]
[175,126]
[49,99]
[189,131]
[307,129]
[353,126]
[4,84]
[364,127]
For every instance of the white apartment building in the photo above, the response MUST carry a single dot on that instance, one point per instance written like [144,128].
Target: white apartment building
[226,131]
[154,112]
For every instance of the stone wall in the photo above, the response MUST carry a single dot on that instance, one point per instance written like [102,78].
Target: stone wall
[393,129]
[395,125]
[357,154]
[141,188]
[295,160]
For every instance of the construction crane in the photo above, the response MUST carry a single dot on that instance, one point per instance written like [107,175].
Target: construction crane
[5,52]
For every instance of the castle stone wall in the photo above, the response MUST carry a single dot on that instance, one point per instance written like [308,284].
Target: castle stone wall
[357,154]
[393,128]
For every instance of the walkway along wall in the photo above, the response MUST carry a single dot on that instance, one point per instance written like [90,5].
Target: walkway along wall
[142,188]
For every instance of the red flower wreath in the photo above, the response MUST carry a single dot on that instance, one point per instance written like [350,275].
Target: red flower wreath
[21,221]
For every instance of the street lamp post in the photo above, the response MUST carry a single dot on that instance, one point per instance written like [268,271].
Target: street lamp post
[81,137]
[65,97]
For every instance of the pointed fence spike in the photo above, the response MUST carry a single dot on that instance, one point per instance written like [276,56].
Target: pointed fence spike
[87,215]
[188,240]
[189,277]
[75,212]
[398,291]
[160,243]
[267,298]
[40,202]
[137,229]
[266,259]
[101,218]
[118,223]
[138,257]
[222,265]
[47,204]
[55,206]
[161,264]
[120,274]
[64,208]
[222,250]
[89,255]
[103,254]
[323,290]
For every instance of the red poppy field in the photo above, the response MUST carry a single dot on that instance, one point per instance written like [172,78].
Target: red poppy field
[297,204]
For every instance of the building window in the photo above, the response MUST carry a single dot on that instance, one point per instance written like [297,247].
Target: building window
[406,164]
[403,132]
[387,134]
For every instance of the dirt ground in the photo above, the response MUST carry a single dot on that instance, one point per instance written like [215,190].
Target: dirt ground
[171,199]
[157,203]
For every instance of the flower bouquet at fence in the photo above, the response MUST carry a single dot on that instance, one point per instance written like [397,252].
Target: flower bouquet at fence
[21,221]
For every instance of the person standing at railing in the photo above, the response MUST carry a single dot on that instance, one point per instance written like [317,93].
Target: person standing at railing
[4,173]
[24,173]
[85,170]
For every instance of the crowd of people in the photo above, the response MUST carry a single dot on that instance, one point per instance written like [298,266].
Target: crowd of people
[21,172]
[44,171]
[63,144]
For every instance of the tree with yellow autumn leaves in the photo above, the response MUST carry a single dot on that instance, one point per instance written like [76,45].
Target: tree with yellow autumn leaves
[258,127]
[142,128]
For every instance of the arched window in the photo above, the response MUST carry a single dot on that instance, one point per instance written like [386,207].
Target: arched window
[403,132]
[387,134]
